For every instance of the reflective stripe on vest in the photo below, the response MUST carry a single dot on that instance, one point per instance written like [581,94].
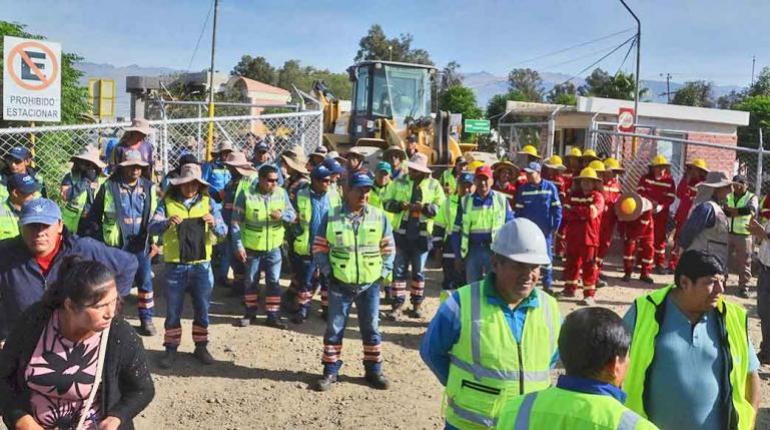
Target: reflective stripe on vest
[733,320]
[259,231]
[171,235]
[72,211]
[355,254]
[305,213]
[481,219]
[480,383]
[739,224]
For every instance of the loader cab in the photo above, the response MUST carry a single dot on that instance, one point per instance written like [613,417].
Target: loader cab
[391,90]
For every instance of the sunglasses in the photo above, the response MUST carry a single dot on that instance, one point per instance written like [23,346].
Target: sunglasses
[14,161]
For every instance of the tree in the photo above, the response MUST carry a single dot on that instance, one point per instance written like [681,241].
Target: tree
[74,98]
[759,117]
[257,68]
[496,105]
[527,82]
[600,84]
[728,101]
[450,75]
[292,73]
[695,93]
[761,86]
[563,94]
[376,46]
[460,99]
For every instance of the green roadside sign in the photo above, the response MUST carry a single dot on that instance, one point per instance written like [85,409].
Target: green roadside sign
[479,126]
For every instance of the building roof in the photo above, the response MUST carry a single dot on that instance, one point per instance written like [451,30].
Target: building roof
[598,105]
[257,86]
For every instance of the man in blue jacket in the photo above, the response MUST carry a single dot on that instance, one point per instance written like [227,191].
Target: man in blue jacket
[31,261]
[538,201]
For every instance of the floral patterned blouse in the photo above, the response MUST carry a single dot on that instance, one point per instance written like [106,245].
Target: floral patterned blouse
[60,377]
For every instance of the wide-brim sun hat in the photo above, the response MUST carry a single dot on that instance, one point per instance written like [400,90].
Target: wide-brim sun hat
[715,179]
[419,162]
[90,155]
[630,206]
[189,173]
[295,164]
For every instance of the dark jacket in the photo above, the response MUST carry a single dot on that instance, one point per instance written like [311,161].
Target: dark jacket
[127,387]
[22,282]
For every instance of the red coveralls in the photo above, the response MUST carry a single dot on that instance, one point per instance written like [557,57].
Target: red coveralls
[660,192]
[561,234]
[764,208]
[509,190]
[638,238]
[611,195]
[685,192]
[582,215]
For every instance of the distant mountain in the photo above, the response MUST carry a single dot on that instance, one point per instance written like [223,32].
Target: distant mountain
[108,71]
[486,85]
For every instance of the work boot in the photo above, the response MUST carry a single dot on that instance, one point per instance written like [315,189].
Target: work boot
[626,277]
[601,282]
[588,301]
[146,328]
[168,359]
[397,313]
[275,322]
[377,381]
[324,313]
[743,292]
[660,270]
[246,320]
[647,279]
[325,383]
[300,316]
[203,355]
[568,292]
[416,311]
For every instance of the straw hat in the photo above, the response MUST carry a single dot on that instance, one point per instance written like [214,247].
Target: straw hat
[715,179]
[238,161]
[91,155]
[295,163]
[132,158]
[589,173]
[630,206]
[189,173]
[223,146]
[502,164]
[659,161]
[698,163]
[555,162]
[391,149]
[139,124]
[419,162]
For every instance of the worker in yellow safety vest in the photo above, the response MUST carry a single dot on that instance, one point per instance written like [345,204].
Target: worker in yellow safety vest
[689,329]
[190,222]
[497,338]
[742,205]
[21,189]
[257,229]
[449,176]
[354,247]
[593,347]
[442,233]
[79,186]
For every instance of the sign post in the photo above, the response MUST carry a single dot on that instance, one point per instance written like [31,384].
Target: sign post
[31,80]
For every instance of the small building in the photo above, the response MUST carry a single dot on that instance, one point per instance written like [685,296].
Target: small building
[259,93]
[562,127]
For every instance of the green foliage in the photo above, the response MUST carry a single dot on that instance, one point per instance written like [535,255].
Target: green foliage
[761,85]
[600,84]
[293,73]
[563,94]
[460,99]
[450,75]
[376,46]
[695,93]
[257,68]
[496,105]
[74,101]
[759,117]
[728,101]
[527,82]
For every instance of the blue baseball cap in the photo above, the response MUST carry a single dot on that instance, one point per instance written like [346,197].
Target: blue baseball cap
[334,166]
[467,177]
[20,153]
[23,183]
[384,165]
[360,180]
[320,172]
[533,167]
[262,146]
[40,211]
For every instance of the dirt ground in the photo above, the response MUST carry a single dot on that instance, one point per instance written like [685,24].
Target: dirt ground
[262,375]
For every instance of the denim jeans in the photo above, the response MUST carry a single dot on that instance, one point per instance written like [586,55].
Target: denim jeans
[143,281]
[198,281]
[341,299]
[548,270]
[406,257]
[478,263]
[270,263]
[306,280]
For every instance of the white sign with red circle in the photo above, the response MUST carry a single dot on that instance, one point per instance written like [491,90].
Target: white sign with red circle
[31,80]
[626,120]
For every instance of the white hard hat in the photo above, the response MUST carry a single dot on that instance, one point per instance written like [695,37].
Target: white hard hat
[521,240]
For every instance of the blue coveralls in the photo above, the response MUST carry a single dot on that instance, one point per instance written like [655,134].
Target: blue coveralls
[540,204]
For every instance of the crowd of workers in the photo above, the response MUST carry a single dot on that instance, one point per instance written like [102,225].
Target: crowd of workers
[350,227]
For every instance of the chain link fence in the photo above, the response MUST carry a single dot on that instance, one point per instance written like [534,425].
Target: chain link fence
[518,135]
[53,146]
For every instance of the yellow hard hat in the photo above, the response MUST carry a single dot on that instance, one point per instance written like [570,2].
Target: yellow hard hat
[529,150]
[574,152]
[590,153]
[699,163]
[554,162]
[589,173]
[597,165]
[659,160]
[628,206]
[612,164]
[473,165]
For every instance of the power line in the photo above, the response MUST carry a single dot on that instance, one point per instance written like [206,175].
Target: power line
[630,47]
[200,36]
[584,56]
[599,60]
[589,42]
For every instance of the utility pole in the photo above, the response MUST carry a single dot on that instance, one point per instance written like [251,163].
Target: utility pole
[668,86]
[638,57]
[210,142]
[753,63]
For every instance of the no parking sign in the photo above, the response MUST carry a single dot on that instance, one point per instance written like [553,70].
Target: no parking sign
[31,80]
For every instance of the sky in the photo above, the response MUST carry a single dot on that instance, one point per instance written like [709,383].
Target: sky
[690,39]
